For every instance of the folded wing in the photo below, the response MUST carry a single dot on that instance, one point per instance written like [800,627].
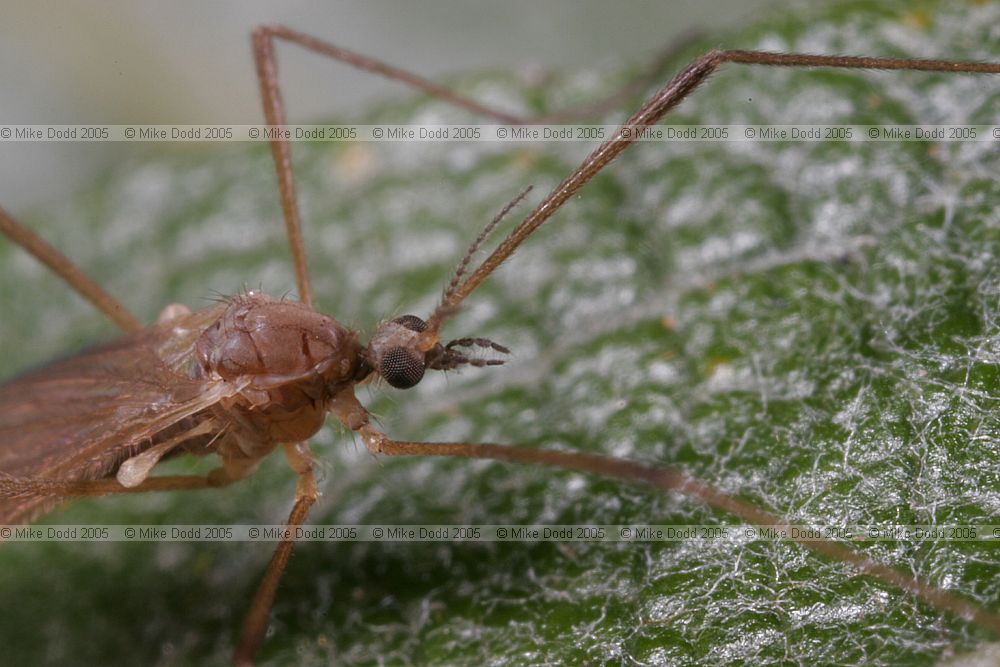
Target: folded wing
[81,417]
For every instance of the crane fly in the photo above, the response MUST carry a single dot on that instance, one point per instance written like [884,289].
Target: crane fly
[256,373]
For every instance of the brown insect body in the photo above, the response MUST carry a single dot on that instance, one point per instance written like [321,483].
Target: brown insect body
[291,362]
[237,379]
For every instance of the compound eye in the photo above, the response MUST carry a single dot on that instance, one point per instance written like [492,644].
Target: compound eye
[402,368]
[411,322]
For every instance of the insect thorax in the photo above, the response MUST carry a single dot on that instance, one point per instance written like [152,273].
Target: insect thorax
[291,359]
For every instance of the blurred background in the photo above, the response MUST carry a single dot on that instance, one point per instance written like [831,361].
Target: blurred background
[189,62]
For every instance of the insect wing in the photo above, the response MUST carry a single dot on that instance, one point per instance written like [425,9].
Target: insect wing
[80,418]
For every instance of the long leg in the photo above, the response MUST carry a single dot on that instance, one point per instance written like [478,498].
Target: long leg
[22,498]
[664,100]
[16,487]
[268,33]
[668,97]
[274,113]
[671,479]
[69,272]
[255,623]
[264,37]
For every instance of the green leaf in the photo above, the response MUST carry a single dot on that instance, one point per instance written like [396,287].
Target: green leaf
[811,326]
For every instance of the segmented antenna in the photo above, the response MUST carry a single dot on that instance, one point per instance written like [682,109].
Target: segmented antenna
[456,279]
